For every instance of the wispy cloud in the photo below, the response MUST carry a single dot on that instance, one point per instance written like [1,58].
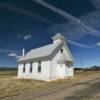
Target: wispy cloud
[92,19]
[12,55]
[96,3]
[83,45]
[25,12]
[77,23]
[7,50]
[97,44]
[72,30]
[79,44]
[10,52]
[25,37]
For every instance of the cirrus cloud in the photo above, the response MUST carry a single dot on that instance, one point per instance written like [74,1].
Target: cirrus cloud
[12,55]
[24,12]
[25,37]
[97,44]
[74,29]
[79,44]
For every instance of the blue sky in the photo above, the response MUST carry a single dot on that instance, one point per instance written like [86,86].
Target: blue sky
[31,23]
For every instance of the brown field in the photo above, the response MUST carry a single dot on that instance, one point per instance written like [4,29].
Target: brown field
[12,87]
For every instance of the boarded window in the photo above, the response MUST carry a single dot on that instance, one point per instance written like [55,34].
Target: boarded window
[39,66]
[24,67]
[31,67]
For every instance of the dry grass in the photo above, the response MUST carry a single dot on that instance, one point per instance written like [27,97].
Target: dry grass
[87,73]
[10,85]
[6,74]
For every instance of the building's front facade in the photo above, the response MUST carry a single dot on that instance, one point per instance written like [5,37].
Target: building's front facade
[47,63]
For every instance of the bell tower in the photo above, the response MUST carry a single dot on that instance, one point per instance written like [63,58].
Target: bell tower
[58,38]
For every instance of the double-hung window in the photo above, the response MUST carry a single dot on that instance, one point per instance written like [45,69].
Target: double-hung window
[39,66]
[24,65]
[31,67]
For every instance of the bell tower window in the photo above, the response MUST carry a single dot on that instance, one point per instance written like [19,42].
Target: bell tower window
[62,50]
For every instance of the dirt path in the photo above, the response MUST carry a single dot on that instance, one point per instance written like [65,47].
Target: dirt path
[88,89]
[92,92]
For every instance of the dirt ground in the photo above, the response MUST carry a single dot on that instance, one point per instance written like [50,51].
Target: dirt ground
[87,88]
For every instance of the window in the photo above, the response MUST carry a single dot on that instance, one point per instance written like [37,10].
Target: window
[24,67]
[31,67]
[61,50]
[39,66]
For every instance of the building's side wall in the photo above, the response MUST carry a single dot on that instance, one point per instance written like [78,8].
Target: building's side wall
[43,75]
[54,66]
[45,71]
[69,71]
[20,70]
[25,74]
[58,70]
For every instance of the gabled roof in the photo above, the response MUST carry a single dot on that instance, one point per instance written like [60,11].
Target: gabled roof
[41,52]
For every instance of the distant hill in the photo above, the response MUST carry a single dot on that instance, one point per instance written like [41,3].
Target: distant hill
[7,69]
[92,68]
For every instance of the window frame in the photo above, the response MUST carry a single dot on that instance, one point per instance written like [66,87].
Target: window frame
[39,66]
[24,68]
[31,67]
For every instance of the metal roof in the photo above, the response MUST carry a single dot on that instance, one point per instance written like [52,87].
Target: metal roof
[40,52]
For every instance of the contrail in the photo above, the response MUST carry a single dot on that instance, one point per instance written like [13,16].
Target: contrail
[68,16]
[79,44]
[25,12]
[92,19]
